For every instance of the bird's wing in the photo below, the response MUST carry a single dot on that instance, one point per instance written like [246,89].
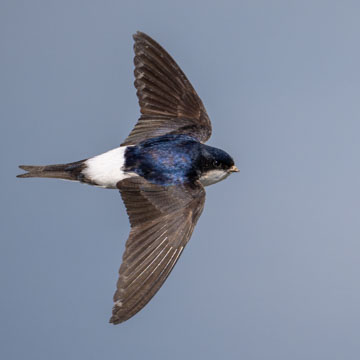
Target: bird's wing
[162,220]
[168,102]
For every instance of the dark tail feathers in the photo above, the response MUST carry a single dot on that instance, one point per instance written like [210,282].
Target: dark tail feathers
[71,171]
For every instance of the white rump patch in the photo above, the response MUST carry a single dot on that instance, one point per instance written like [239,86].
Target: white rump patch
[105,170]
[213,176]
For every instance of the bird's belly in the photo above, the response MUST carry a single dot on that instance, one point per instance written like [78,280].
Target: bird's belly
[213,176]
[105,170]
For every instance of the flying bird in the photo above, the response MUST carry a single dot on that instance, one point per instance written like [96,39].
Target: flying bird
[160,170]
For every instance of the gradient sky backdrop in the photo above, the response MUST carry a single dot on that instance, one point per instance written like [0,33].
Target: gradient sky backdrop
[272,270]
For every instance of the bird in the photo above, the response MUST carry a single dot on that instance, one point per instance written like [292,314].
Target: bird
[161,171]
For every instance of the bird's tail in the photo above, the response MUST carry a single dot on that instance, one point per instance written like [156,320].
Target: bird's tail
[70,171]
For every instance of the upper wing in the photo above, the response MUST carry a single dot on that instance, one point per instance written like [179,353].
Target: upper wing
[168,102]
[162,221]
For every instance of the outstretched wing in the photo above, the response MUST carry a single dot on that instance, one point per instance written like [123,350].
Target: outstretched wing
[168,102]
[162,220]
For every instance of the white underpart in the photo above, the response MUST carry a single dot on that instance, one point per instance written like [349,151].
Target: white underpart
[105,170]
[213,176]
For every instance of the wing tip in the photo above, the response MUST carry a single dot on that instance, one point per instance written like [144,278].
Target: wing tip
[115,320]
[118,314]
[139,34]
[141,37]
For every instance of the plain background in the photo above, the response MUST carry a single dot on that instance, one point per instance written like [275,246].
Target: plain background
[272,270]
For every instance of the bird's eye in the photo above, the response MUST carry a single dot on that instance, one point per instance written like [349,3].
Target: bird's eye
[216,163]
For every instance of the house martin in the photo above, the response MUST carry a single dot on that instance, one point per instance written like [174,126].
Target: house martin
[160,169]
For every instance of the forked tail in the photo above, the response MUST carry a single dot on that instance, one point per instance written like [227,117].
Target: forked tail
[71,171]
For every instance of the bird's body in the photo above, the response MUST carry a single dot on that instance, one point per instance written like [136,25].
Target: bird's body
[165,160]
[160,169]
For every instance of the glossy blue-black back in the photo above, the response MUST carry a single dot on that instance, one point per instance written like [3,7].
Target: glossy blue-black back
[165,160]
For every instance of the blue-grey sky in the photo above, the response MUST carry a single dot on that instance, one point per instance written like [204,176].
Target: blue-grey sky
[272,269]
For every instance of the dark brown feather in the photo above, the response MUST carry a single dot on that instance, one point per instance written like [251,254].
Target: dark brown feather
[168,102]
[70,171]
[162,221]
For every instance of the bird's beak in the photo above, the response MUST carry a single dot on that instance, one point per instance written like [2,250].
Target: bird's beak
[234,169]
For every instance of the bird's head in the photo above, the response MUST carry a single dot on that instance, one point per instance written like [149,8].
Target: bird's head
[215,165]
